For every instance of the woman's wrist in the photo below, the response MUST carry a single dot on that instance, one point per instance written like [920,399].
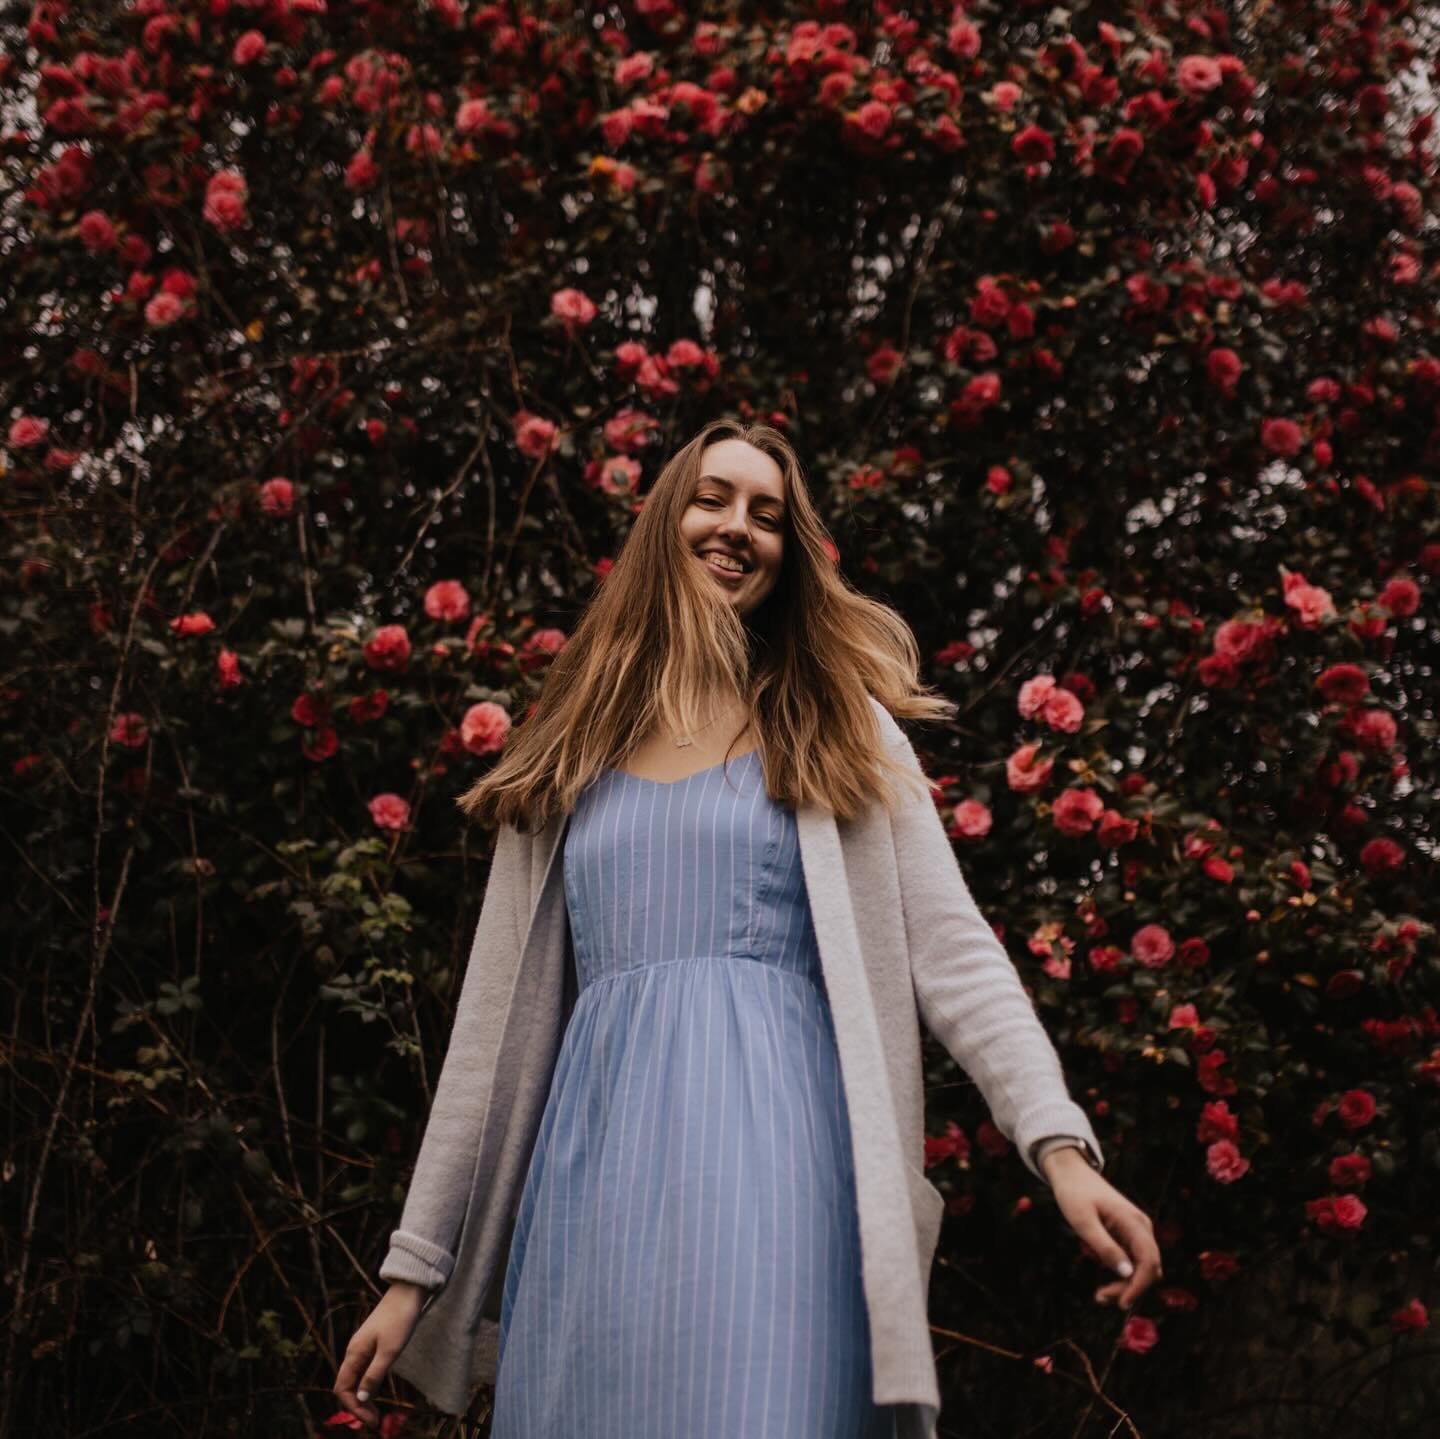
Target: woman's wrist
[1059,1157]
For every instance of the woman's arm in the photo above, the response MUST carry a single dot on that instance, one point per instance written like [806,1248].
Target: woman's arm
[969,993]
[422,1248]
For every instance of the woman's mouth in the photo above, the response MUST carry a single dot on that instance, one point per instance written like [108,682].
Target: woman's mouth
[734,576]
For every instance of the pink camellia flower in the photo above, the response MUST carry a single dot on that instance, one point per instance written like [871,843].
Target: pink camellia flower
[1106,958]
[1401,596]
[1076,811]
[228,668]
[390,811]
[97,234]
[629,431]
[1356,1108]
[619,475]
[484,727]
[1116,829]
[1139,1334]
[1218,1265]
[197,622]
[1281,437]
[388,648]
[1197,75]
[1152,946]
[1032,145]
[1410,1319]
[1311,604]
[1343,683]
[249,48]
[1381,856]
[972,820]
[1336,1213]
[277,497]
[163,309]
[364,708]
[638,66]
[1023,773]
[129,729]
[573,308]
[1183,1016]
[310,711]
[447,600]
[535,436]
[361,172]
[882,364]
[1224,1162]
[1216,1122]
[28,431]
[225,199]
[1375,729]
[1057,706]
[540,647]
[320,744]
[684,355]
[629,356]
[1349,1171]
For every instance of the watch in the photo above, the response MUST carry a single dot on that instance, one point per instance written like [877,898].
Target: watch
[1042,1147]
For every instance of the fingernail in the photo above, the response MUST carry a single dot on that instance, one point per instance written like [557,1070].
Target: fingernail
[362,1395]
[1124,1268]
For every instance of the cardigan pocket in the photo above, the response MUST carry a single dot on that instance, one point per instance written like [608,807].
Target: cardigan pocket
[928,1208]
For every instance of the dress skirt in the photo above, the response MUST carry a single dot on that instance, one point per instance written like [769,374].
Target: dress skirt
[685,1261]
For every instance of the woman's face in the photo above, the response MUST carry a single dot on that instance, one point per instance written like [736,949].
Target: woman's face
[738,508]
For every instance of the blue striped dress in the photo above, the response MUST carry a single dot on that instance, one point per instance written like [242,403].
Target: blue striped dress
[685,1259]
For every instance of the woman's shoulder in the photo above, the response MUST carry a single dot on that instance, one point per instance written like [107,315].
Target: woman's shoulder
[890,730]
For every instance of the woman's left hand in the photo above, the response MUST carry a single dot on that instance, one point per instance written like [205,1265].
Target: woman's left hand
[1101,1216]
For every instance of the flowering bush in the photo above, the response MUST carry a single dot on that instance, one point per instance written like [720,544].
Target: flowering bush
[344,342]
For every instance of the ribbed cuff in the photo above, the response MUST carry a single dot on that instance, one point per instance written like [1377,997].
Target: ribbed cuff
[416,1261]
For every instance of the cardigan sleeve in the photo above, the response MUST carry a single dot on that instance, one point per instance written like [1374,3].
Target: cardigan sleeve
[968,991]
[422,1248]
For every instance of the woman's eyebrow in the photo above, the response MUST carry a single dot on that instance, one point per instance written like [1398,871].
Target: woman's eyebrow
[730,485]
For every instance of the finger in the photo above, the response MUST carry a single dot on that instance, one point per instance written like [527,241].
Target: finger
[374,1377]
[1104,1247]
[1137,1234]
[1147,1268]
[349,1380]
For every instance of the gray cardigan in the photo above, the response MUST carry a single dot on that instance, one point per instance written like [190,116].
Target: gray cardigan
[901,943]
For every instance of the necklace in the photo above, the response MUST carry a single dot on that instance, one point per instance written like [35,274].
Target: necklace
[682,740]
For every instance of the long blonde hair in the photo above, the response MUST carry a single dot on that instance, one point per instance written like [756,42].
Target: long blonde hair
[658,640]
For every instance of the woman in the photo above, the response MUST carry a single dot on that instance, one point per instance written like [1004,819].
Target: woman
[672,1182]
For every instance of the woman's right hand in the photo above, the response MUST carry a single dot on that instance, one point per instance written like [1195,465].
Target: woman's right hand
[374,1348]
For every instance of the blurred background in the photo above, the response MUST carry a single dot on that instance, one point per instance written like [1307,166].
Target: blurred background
[341,343]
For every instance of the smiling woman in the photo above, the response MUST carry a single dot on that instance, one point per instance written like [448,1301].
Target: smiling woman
[610,1201]
[736,520]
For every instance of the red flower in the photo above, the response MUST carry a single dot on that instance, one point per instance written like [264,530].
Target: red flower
[388,648]
[1216,1122]
[389,811]
[1337,1213]
[1356,1108]
[1152,945]
[1349,1171]
[310,710]
[1411,1319]
[1225,1162]
[320,744]
[369,707]
[1139,1335]
[197,622]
